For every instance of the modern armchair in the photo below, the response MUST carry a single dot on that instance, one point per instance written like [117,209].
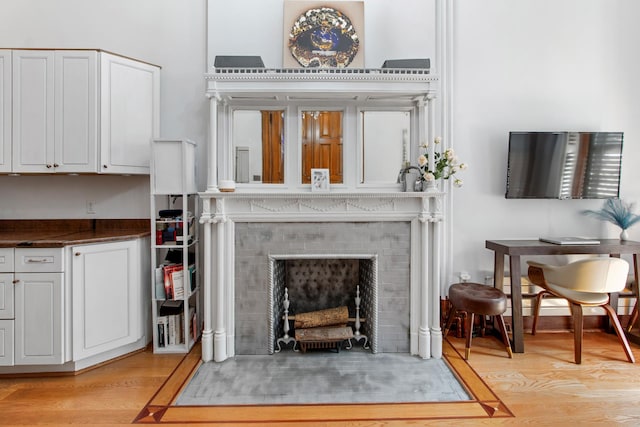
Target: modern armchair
[584,283]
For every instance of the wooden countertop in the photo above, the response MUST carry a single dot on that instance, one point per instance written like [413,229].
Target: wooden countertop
[55,233]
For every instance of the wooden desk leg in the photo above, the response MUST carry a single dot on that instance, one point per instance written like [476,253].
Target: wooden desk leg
[498,270]
[517,324]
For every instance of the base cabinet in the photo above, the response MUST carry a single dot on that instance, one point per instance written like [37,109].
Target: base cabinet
[38,319]
[105,297]
[65,309]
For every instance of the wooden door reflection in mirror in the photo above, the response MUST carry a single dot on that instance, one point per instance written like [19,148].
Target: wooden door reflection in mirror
[322,144]
[258,143]
[272,147]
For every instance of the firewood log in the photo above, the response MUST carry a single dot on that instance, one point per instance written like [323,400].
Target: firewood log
[330,316]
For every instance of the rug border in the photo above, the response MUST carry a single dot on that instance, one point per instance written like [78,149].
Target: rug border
[161,408]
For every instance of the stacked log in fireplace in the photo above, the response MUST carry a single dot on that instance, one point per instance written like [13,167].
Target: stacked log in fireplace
[322,329]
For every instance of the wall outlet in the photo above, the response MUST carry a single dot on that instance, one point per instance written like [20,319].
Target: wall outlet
[91,206]
[464,276]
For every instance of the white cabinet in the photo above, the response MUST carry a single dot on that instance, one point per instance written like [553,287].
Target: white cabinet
[38,319]
[106,297]
[5,110]
[79,111]
[31,306]
[129,113]
[33,104]
[39,306]
[175,291]
[6,311]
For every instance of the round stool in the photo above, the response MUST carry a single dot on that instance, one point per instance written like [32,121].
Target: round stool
[475,298]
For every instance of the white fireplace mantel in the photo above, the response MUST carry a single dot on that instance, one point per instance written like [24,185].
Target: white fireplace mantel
[221,211]
[295,203]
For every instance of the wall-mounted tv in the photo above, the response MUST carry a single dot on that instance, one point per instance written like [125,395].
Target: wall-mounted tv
[564,165]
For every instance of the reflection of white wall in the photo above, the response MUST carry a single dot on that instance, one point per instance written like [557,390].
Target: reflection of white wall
[384,133]
[247,132]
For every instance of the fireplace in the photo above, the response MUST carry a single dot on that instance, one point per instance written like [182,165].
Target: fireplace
[318,282]
[392,238]
[243,230]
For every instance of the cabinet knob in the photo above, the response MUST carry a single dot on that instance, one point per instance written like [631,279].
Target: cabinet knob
[15,282]
[55,165]
[104,166]
[77,254]
[48,166]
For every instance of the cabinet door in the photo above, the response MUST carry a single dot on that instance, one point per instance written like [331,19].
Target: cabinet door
[106,300]
[38,318]
[6,296]
[129,110]
[6,343]
[33,116]
[5,111]
[76,109]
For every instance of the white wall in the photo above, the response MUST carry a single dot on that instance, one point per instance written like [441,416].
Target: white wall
[169,33]
[393,30]
[537,65]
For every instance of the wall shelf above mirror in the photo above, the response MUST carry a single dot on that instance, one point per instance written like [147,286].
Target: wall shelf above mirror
[267,123]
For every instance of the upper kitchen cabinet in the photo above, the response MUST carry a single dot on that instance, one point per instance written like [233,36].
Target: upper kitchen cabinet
[5,111]
[81,111]
[129,114]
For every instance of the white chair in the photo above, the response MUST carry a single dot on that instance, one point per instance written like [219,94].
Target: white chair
[584,283]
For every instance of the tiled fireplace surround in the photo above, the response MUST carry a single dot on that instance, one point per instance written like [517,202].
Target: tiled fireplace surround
[245,232]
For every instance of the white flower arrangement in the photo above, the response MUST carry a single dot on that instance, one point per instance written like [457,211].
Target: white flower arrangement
[445,164]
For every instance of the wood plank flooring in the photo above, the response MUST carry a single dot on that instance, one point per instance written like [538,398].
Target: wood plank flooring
[540,387]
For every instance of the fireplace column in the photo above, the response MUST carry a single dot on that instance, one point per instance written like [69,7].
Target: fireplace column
[424,338]
[219,333]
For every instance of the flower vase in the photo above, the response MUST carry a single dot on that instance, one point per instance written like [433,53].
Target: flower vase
[430,186]
[624,235]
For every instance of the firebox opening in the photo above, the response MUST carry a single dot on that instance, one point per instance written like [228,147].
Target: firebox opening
[318,282]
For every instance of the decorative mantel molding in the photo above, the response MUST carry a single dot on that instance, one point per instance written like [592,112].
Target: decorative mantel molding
[325,207]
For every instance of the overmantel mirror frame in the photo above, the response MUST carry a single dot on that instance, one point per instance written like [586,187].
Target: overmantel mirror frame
[291,90]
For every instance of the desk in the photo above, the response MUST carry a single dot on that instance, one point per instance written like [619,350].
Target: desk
[515,248]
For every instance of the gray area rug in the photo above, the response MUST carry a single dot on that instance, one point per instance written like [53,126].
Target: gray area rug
[323,377]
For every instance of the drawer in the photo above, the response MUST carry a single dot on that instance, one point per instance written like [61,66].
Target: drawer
[39,260]
[6,260]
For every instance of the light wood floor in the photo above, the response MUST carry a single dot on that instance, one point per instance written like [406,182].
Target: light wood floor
[541,387]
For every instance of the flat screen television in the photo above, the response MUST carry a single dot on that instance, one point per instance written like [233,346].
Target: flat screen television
[564,165]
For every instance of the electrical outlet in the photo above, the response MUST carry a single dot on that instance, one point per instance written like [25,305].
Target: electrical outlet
[464,276]
[91,206]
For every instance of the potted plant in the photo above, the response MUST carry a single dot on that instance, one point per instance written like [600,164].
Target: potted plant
[445,166]
[618,213]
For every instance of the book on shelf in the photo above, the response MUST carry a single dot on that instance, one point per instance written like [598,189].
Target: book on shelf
[163,331]
[160,292]
[173,281]
[175,329]
[193,323]
[193,284]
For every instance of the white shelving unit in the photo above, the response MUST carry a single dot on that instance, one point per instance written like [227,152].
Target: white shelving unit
[176,308]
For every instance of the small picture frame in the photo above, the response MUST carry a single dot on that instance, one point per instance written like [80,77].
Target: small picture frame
[320,180]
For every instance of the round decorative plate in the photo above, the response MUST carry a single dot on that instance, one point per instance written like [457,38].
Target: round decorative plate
[323,37]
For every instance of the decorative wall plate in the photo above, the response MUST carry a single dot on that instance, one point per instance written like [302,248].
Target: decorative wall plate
[323,37]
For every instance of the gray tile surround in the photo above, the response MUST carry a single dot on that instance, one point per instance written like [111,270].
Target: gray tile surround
[390,241]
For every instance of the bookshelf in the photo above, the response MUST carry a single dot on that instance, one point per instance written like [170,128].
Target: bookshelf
[175,287]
